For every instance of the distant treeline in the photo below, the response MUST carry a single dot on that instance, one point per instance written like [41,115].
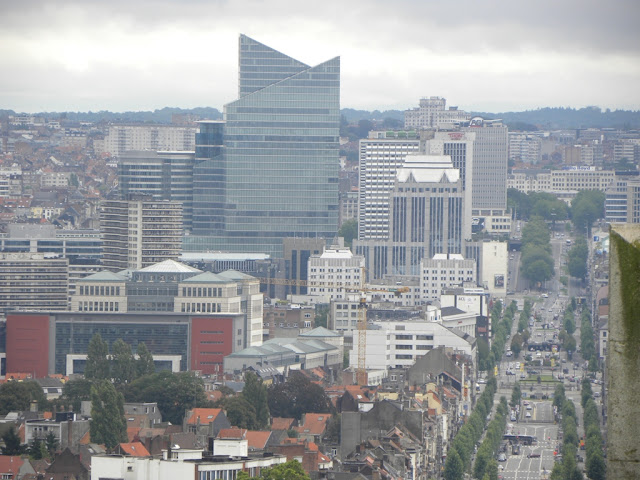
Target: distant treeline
[541,119]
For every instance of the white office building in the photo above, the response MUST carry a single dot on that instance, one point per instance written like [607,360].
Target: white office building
[122,138]
[335,273]
[399,344]
[443,271]
[432,112]
[494,268]
[380,157]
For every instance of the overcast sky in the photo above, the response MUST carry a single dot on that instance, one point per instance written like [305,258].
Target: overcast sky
[481,55]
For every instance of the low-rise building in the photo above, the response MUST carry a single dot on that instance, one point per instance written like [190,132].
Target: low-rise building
[179,463]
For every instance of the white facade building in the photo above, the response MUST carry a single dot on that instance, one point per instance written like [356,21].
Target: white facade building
[525,148]
[459,146]
[432,112]
[443,271]
[573,179]
[494,268]
[399,344]
[121,138]
[380,158]
[178,463]
[335,273]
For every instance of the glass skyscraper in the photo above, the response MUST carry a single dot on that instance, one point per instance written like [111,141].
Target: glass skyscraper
[280,162]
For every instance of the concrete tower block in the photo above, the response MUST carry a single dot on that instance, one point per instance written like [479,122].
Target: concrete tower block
[623,367]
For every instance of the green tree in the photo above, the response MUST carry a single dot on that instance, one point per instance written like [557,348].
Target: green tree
[349,230]
[586,208]
[36,449]
[291,470]
[174,392]
[538,271]
[322,314]
[108,424]
[51,443]
[596,467]
[144,364]
[123,367]
[74,392]
[240,412]
[297,396]
[97,366]
[536,232]
[453,467]
[12,443]
[17,396]
[255,392]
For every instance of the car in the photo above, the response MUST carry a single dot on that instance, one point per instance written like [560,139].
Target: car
[528,415]
[502,457]
[529,407]
[533,455]
[523,376]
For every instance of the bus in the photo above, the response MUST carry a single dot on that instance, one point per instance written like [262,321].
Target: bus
[523,439]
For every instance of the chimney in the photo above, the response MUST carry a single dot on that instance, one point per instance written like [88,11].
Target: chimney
[34,406]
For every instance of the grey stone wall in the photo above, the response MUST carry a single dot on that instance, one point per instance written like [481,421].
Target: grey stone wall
[623,364]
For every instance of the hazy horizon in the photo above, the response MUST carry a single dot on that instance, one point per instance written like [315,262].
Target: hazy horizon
[490,56]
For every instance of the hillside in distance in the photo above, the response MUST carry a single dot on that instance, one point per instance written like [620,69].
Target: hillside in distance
[548,118]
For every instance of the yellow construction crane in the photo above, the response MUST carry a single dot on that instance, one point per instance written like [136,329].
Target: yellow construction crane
[361,372]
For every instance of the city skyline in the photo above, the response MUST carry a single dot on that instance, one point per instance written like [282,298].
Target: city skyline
[481,56]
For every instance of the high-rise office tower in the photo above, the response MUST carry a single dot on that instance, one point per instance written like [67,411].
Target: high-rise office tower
[490,153]
[426,218]
[162,175]
[380,157]
[280,154]
[140,231]
[460,147]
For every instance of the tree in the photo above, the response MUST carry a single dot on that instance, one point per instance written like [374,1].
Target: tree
[296,397]
[144,364]
[37,449]
[240,412]
[174,392]
[123,367]
[586,208]
[291,470]
[453,467]
[349,230]
[255,392]
[12,443]
[17,396]
[74,392]
[97,366]
[596,467]
[322,313]
[51,443]
[108,424]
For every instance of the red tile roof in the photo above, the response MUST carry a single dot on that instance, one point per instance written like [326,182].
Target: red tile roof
[314,423]
[10,464]
[132,432]
[232,433]
[257,439]
[135,449]
[205,415]
[281,423]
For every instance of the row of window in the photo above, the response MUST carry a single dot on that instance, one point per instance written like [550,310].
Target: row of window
[100,290]
[98,306]
[201,292]
[204,307]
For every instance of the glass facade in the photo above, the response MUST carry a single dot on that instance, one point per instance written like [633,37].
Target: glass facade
[209,180]
[281,160]
[160,338]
